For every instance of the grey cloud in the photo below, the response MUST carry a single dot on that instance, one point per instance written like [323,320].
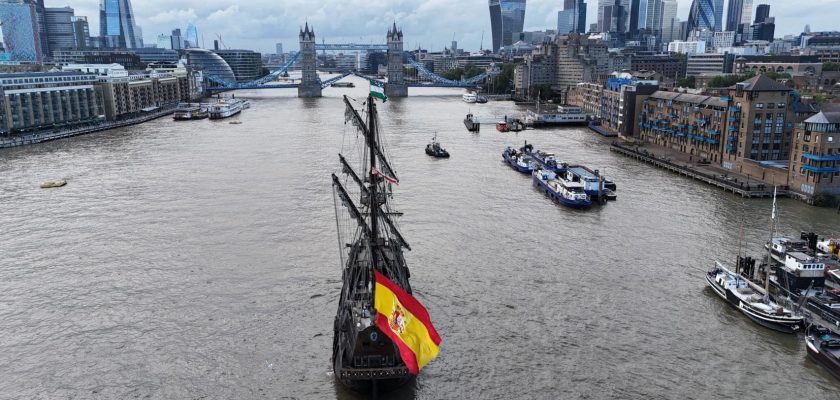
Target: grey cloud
[258,24]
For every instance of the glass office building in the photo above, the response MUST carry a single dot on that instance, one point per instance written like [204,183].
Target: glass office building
[116,24]
[706,14]
[212,65]
[506,17]
[21,35]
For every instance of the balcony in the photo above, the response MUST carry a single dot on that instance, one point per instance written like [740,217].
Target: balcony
[730,149]
[713,132]
[734,119]
[817,157]
[711,141]
[732,128]
[732,138]
[820,170]
[734,109]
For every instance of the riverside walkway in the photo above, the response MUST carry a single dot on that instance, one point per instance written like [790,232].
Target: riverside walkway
[45,136]
[679,163]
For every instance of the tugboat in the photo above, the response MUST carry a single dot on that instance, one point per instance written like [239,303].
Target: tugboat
[366,356]
[518,160]
[566,192]
[823,345]
[472,123]
[751,299]
[502,126]
[434,149]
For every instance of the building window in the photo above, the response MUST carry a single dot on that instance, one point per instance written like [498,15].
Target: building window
[771,105]
[781,105]
[759,106]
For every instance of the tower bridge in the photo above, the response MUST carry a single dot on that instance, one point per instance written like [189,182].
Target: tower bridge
[311,85]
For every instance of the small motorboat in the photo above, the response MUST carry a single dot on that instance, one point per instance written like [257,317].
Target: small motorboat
[53,184]
[237,122]
[434,149]
[502,126]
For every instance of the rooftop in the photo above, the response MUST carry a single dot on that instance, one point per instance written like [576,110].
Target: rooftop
[761,83]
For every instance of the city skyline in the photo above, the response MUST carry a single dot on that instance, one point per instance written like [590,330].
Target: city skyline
[430,24]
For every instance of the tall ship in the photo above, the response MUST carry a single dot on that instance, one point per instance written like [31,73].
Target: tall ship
[189,111]
[753,300]
[366,356]
[227,108]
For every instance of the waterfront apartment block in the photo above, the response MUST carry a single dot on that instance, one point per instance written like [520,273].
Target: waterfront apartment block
[815,154]
[613,104]
[690,123]
[33,101]
[747,129]
[762,126]
[125,94]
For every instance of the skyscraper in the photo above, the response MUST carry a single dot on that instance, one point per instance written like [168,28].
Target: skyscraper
[506,17]
[706,14]
[572,18]
[191,38]
[739,12]
[762,12]
[116,24]
[653,16]
[21,35]
[614,15]
[670,22]
[60,28]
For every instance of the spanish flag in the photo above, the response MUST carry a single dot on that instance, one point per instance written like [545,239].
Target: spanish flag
[403,319]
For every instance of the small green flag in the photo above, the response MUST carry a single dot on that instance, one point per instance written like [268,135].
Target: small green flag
[377,90]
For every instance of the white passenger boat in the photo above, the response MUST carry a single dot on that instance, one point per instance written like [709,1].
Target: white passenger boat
[469,97]
[225,108]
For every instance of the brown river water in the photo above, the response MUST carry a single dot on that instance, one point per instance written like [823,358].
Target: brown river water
[198,260]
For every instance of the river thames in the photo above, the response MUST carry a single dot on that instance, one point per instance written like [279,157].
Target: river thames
[199,260]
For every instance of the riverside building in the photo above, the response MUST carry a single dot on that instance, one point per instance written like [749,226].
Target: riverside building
[815,155]
[34,101]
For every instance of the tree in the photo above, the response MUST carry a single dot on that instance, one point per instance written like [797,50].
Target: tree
[777,75]
[831,66]
[545,92]
[688,82]
[453,74]
[722,81]
[503,83]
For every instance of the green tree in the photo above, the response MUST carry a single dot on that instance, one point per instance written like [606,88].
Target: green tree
[777,75]
[471,71]
[831,66]
[503,83]
[687,82]
[453,74]
[722,81]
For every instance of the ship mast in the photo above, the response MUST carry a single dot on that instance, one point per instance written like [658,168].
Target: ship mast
[373,208]
[770,247]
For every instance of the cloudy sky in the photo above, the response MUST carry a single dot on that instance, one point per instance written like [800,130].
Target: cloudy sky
[432,24]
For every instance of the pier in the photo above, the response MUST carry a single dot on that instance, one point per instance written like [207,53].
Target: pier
[700,172]
[46,136]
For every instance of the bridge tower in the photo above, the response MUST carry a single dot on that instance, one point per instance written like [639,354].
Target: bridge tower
[396,80]
[310,85]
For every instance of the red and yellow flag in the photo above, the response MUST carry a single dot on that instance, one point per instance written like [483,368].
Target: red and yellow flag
[406,322]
